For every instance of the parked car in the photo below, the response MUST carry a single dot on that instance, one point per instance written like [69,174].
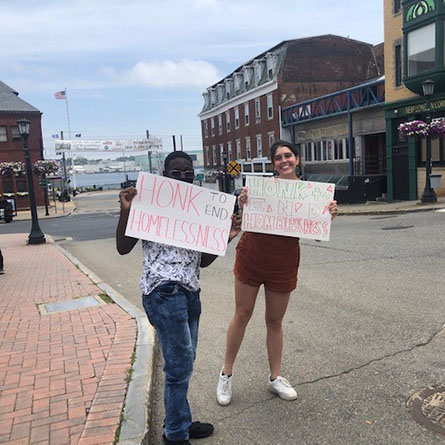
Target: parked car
[6,210]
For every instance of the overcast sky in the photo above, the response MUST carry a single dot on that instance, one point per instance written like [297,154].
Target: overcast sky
[136,65]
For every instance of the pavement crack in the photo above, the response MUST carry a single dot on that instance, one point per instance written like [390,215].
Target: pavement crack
[376,360]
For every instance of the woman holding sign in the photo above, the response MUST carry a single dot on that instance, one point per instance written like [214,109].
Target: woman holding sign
[273,261]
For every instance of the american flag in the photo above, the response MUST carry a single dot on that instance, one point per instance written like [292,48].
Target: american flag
[60,95]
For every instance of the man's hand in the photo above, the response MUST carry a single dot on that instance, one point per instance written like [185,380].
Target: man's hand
[242,198]
[333,209]
[236,226]
[125,198]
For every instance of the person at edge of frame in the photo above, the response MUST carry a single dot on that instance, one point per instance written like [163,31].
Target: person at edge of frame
[272,261]
[171,298]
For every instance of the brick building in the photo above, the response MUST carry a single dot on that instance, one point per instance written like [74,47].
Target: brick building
[13,108]
[414,52]
[241,116]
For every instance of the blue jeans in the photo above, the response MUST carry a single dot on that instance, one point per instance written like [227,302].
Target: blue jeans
[174,312]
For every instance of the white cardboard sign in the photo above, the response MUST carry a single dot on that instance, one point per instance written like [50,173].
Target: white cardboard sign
[180,214]
[288,207]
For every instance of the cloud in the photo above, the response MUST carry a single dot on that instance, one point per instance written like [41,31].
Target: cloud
[167,73]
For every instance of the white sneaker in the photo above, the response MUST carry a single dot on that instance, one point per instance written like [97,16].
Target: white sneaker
[282,387]
[224,389]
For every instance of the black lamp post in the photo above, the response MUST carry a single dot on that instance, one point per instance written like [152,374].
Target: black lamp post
[36,236]
[428,195]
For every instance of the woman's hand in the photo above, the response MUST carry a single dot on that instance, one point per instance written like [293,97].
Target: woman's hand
[242,198]
[125,198]
[333,209]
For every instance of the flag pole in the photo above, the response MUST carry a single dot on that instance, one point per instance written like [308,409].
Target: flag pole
[69,135]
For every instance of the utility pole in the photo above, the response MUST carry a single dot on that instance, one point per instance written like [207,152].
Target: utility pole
[150,168]
[64,174]
[174,143]
[182,146]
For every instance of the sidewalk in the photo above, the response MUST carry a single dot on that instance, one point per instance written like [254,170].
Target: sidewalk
[61,209]
[64,375]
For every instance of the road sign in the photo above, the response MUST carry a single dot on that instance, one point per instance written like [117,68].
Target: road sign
[200,177]
[233,168]
[43,182]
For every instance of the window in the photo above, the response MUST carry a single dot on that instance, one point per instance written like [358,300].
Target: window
[257,110]
[212,125]
[259,146]
[271,138]
[421,49]
[238,149]
[15,133]
[308,152]
[330,150]
[214,155]
[219,123]
[398,64]
[236,117]
[221,154]
[207,156]
[318,152]
[397,6]
[228,121]
[246,114]
[269,106]
[3,135]
[206,128]
[229,151]
[248,149]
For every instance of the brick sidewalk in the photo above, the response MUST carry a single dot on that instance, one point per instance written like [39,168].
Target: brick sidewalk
[63,376]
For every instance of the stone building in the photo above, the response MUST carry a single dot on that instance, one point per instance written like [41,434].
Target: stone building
[13,108]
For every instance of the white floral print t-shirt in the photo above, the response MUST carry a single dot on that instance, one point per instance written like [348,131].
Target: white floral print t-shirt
[169,263]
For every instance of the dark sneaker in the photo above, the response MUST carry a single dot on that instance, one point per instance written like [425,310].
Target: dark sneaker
[175,442]
[200,430]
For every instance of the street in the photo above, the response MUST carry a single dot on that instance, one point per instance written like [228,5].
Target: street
[363,331]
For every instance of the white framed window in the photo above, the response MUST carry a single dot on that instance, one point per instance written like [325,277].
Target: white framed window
[207,150]
[228,121]
[259,146]
[206,128]
[248,149]
[229,151]
[318,151]
[214,154]
[221,154]
[246,114]
[219,123]
[269,106]
[270,138]
[236,110]
[238,148]
[15,133]
[257,110]
[212,126]
[3,134]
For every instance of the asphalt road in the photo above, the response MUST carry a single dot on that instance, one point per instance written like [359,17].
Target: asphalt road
[363,332]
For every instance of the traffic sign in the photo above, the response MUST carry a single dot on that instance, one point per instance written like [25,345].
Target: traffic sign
[233,168]
[43,182]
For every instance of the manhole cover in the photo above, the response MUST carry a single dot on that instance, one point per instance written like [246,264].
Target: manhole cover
[397,227]
[428,408]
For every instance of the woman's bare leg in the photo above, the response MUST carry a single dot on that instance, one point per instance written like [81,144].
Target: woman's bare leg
[245,297]
[276,305]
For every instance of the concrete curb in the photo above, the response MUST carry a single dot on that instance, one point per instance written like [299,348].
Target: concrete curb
[136,409]
[43,218]
[388,211]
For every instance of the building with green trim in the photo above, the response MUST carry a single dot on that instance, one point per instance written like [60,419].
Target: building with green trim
[414,52]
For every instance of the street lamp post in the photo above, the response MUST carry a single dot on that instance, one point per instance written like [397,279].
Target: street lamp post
[428,195]
[36,236]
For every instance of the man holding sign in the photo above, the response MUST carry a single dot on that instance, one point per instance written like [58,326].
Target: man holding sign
[183,227]
[276,213]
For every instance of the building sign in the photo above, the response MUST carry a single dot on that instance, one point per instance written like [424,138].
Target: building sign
[180,214]
[116,145]
[421,108]
[288,207]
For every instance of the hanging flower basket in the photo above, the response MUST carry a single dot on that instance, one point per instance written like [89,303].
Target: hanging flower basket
[16,168]
[437,128]
[417,129]
[42,167]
